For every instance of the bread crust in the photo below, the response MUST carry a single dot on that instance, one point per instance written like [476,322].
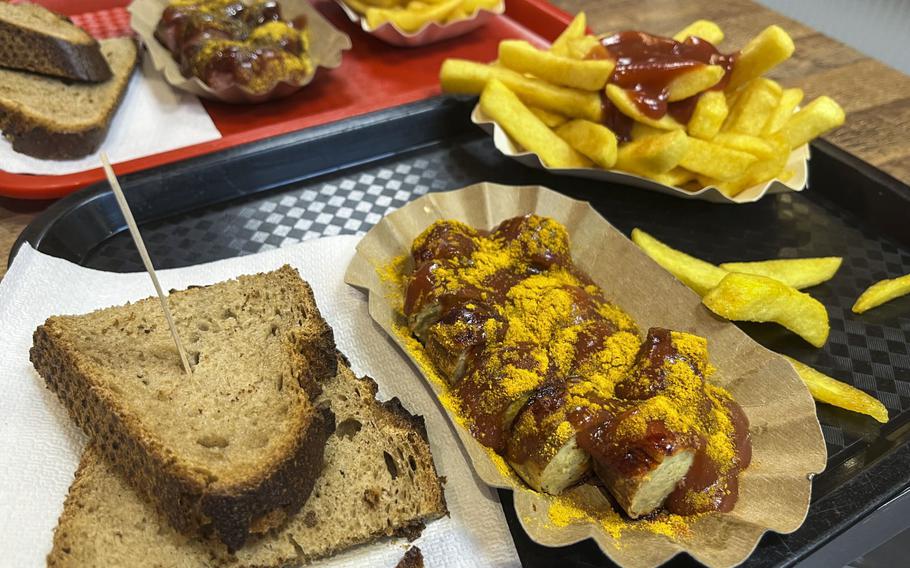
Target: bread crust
[33,51]
[38,139]
[229,514]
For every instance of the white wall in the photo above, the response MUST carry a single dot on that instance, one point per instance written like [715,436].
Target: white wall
[880,28]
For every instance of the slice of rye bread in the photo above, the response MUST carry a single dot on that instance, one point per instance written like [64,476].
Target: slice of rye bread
[379,480]
[230,449]
[51,119]
[33,38]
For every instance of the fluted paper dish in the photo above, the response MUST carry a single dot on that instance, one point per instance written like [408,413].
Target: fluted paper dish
[788,447]
[326,47]
[429,33]
[798,164]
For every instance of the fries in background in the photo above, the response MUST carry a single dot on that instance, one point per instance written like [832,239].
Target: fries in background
[749,297]
[528,130]
[741,131]
[881,292]
[412,15]
[836,393]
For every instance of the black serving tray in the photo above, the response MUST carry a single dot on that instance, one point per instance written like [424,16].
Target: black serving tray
[341,178]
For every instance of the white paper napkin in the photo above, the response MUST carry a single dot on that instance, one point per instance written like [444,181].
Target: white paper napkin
[40,447]
[153,118]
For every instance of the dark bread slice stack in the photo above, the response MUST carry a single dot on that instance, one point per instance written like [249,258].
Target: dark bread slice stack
[379,480]
[33,38]
[51,119]
[235,447]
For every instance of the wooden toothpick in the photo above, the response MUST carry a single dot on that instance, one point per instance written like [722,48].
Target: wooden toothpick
[137,238]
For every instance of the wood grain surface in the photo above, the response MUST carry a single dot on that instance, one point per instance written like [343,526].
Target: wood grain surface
[875,96]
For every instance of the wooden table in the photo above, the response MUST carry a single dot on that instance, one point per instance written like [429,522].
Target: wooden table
[875,96]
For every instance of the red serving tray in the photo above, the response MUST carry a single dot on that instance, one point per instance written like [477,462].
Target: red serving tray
[372,76]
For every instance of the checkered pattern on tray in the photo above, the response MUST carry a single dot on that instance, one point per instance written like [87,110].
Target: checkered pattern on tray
[869,350]
[102,24]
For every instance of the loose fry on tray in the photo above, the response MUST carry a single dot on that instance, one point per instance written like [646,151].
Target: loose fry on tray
[653,155]
[754,107]
[503,106]
[836,393]
[881,292]
[410,20]
[623,101]
[695,273]
[574,30]
[749,297]
[766,50]
[710,112]
[548,117]
[704,29]
[590,75]
[692,82]
[789,100]
[595,141]
[470,78]
[715,161]
[796,272]
[813,120]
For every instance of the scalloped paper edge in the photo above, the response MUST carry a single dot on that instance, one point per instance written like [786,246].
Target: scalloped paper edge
[327,45]
[788,446]
[798,163]
[432,32]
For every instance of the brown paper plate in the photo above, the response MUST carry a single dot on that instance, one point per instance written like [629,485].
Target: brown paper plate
[326,47]
[430,33]
[788,448]
[798,164]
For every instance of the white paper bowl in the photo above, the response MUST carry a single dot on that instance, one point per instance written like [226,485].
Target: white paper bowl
[430,33]
[798,163]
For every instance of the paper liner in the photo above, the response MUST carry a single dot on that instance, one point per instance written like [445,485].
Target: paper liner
[788,447]
[798,164]
[326,47]
[430,33]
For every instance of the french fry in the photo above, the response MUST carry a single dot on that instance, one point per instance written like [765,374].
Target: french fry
[766,50]
[796,272]
[410,20]
[695,81]
[749,297]
[470,78]
[548,117]
[704,29]
[586,47]
[654,154]
[458,13]
[503,106]
[710,112]
[623,101]
[362,5]
[574,30]
[744,143]
[640,131]
[760,171]
[789,100]
[677,177]
[881,292]
[695,273]
[716,161]
[471,6]
[813,120]
[836,393]
[595,141]
[753,107]
[521,56]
